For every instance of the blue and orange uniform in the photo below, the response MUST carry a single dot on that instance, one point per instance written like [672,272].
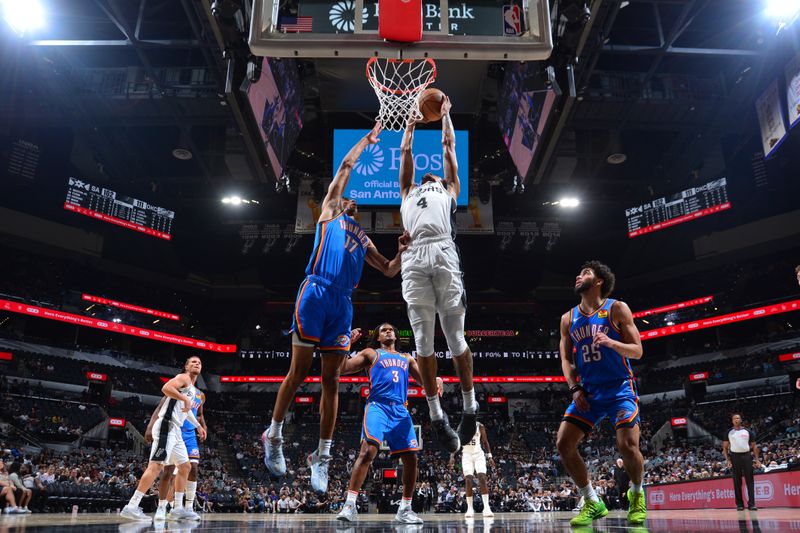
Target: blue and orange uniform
[386,417]
[188,431]
[324,311]
[606,376]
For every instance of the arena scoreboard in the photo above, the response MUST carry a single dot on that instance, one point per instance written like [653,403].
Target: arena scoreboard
[104,204]
[678,208]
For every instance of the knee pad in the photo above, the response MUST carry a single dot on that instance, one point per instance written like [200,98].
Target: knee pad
[423,320]
[453,328]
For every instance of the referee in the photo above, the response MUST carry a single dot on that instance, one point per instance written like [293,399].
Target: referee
[740,450]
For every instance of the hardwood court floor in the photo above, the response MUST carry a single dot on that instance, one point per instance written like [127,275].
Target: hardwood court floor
[768,520]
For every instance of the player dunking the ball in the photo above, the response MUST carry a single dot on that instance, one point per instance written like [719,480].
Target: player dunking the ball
[323,314]
[604,338]
[432,278]
[385,418]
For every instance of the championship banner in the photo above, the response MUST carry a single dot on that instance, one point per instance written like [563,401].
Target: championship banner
[309,210]
[776,489]
[476,220]
[770,118]
[793,90]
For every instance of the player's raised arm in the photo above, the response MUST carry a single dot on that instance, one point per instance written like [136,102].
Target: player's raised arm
[332,204]
[566,348]
[631,344]
[360,361]
[389,268]
[449,151]
[407,160]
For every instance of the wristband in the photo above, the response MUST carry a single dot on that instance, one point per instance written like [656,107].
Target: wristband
[576,388]
[488,456]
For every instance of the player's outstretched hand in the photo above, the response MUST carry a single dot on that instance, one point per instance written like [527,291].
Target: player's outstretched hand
[355,335]
[372,136]
[446,105]
[201,433]
[581,402]
[403,241]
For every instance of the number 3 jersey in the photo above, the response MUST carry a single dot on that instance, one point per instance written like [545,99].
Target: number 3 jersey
[388,378]
[597,364]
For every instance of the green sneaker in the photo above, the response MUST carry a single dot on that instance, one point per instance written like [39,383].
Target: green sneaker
[637,511]
[591,511]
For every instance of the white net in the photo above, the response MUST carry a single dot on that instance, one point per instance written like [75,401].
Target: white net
[397,84]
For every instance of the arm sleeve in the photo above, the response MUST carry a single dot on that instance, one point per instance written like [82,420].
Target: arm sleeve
[725,436]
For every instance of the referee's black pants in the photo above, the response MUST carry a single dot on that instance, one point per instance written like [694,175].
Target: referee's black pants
[742,465]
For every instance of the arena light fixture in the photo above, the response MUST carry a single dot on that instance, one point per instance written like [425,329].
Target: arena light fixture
[784,11]
[23,17]
[568,202]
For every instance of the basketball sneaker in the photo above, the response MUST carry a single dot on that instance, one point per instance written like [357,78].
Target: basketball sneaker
[133,512]
[470,513]
[181,513]
[446,436]
[407,516]
[637,511]
[161,514]
[487,512]
[273,455]
[319,471]
[591,511]
[349,513]
[468,426]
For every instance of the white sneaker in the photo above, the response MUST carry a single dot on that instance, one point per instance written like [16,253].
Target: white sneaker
[161,514]
[273,455]
[407,516]
[177,514]
[319,471]
[189,514]
[349,513]
[132,512]
[470,513]
[487,512]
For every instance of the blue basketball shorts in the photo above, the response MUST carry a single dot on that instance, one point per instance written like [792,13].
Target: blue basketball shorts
[618,401]
[390,422]
[192,449]
[323,315]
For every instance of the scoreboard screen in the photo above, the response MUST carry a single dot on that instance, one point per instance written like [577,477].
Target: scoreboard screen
[106,205]
[678,208]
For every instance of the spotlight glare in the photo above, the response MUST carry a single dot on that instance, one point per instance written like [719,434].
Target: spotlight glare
[226,200]
[23,16]
[782,10]
[235,200]
[569,202]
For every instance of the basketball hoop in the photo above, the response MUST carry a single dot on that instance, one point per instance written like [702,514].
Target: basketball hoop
[397,84]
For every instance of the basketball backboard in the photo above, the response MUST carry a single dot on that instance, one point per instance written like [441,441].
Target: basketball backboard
[515,30]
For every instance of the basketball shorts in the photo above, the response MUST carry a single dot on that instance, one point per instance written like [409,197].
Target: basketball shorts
[618,401]
[192,449]
[432,276]
[168,447]
[389,422]
[473,463]
[323,315]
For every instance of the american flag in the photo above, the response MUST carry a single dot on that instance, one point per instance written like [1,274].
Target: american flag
[296,24]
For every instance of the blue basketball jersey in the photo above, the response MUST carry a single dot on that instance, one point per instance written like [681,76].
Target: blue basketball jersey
[388,378]
[197,401]
[340,246]
[597,364]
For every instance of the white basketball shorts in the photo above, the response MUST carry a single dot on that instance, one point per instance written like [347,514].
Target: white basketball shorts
[473,463]
[168,447]
[432,276]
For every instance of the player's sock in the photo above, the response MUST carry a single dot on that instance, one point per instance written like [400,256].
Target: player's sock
[162,504]
[405,503]
[636,488]
[324,448]
[351,496]
[178,503]
[470,405]
[589,493]
[275,430]
[435,407]
[136,499]
[485,498]
[469,504]
[191,489]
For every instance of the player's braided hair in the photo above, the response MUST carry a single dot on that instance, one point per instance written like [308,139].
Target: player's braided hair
[602,271]
[375,343]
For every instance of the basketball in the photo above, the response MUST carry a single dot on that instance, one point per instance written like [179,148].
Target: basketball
[430,104]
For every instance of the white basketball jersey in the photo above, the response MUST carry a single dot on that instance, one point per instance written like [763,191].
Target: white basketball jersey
[172,410]
[428,211]
[474,445]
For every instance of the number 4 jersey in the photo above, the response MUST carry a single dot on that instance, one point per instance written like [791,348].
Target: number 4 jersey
[597,364]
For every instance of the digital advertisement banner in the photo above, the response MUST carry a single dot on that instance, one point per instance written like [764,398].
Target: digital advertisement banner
[777,489]
[374,179]
[770,119]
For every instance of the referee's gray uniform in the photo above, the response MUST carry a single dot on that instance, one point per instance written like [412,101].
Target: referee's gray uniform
[742,463]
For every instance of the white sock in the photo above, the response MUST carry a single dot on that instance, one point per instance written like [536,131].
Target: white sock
[435,407]
[470,405]
[469,503]
[405,503]
[275,430]
[191,489]
[351,496]
[136,499]
[324,448]
[178,503]
[589,493]
[485,498]
[636,488]
[162,504]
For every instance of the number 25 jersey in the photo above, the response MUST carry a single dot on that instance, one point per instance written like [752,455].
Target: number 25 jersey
[597,364]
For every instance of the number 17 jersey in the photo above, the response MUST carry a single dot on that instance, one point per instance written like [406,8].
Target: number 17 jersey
[597,364]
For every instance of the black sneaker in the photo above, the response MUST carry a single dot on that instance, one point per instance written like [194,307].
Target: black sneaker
[753,508]
[740,508]
[468,426]
[445,435]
